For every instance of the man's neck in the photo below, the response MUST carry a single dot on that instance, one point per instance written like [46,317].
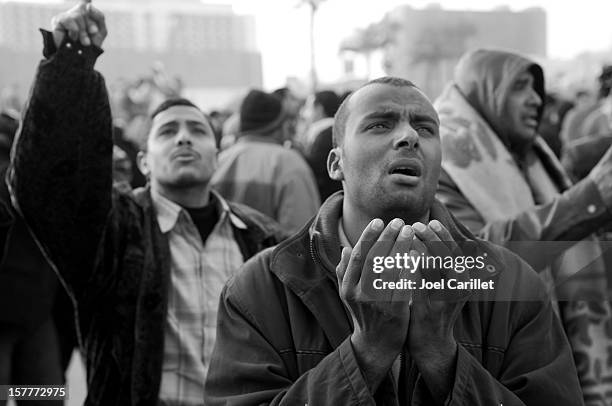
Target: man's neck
[189,197]
[354,221]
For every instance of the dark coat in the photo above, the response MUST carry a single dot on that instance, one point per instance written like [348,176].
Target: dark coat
[106,246]
[283,333]
[28,285]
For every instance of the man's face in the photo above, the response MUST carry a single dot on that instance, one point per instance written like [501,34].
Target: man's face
[390,157]
[520,111]
[181,150]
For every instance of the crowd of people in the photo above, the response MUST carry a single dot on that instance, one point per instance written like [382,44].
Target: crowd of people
[222,258]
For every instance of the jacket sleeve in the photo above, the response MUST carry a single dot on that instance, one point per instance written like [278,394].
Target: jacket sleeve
[571,216]
[60,178]
[538,368]
[247,369]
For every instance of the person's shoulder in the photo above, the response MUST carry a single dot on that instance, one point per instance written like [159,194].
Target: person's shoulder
[259,275]
[253,282]
[292,163]
[254,219]
[130,206]
[517,280]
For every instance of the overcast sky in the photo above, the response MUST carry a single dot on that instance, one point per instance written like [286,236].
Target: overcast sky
[282,28]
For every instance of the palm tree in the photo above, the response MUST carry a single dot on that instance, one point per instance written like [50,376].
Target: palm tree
[367,40]
[314,6]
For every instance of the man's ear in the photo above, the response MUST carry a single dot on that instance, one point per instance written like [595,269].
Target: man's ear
[141,161]
[334,164]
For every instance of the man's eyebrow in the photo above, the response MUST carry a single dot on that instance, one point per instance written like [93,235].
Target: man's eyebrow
[394,114]
[196,123]
[521,81]
[423,117]
[172,123]
[383,113]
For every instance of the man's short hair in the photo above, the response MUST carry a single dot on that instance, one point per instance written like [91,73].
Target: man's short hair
[329,102]
[163,106]
[343,111]
[168,103]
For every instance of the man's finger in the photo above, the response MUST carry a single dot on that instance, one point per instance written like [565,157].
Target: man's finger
[434,245]
[92,27]
[359,253]
[70,26]
[96,16]
[386,240]
[380,249]
[428,268]
[424,232]
[402,246]
[342,265]
[444,235]
[83,35]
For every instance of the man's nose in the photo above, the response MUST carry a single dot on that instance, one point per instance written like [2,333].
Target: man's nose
[534,98]
[183,136]
[406,137]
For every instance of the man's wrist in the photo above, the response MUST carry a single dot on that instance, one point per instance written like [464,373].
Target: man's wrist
[437,367]
[73,53]
[373,360]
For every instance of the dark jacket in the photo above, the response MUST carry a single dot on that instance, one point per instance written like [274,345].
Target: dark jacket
[28,285]
[106,246]
[283,331]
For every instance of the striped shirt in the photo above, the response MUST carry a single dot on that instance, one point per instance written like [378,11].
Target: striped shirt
[198,274]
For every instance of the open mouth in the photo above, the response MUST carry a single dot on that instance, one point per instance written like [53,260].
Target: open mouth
[406,170]
[184,155]
[530,120]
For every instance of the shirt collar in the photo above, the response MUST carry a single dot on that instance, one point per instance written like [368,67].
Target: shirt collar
[344,241]
[168,212]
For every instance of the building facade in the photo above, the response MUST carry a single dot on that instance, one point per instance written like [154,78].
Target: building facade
[212,49]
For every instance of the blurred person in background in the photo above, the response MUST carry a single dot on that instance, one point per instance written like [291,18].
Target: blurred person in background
[599,121]
[317,114]
[291,105]
[231,127]
[10,102]
[571,127]
[260,172]
[30,351]
[555,109]
[144,269]
[593,131]
[503,182]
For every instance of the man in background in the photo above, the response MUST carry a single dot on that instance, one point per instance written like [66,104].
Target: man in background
[260,172]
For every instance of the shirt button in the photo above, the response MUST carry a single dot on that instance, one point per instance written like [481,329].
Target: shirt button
[591,208]
[80,52]
[68,45]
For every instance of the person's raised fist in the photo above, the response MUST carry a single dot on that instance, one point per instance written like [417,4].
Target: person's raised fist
[83,23]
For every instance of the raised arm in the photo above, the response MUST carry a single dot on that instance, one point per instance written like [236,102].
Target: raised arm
[570,216]
[60,176]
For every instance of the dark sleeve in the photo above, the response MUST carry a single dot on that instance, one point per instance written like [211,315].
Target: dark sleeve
[248,369]
[60,177]
[537,367]
[570,216]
